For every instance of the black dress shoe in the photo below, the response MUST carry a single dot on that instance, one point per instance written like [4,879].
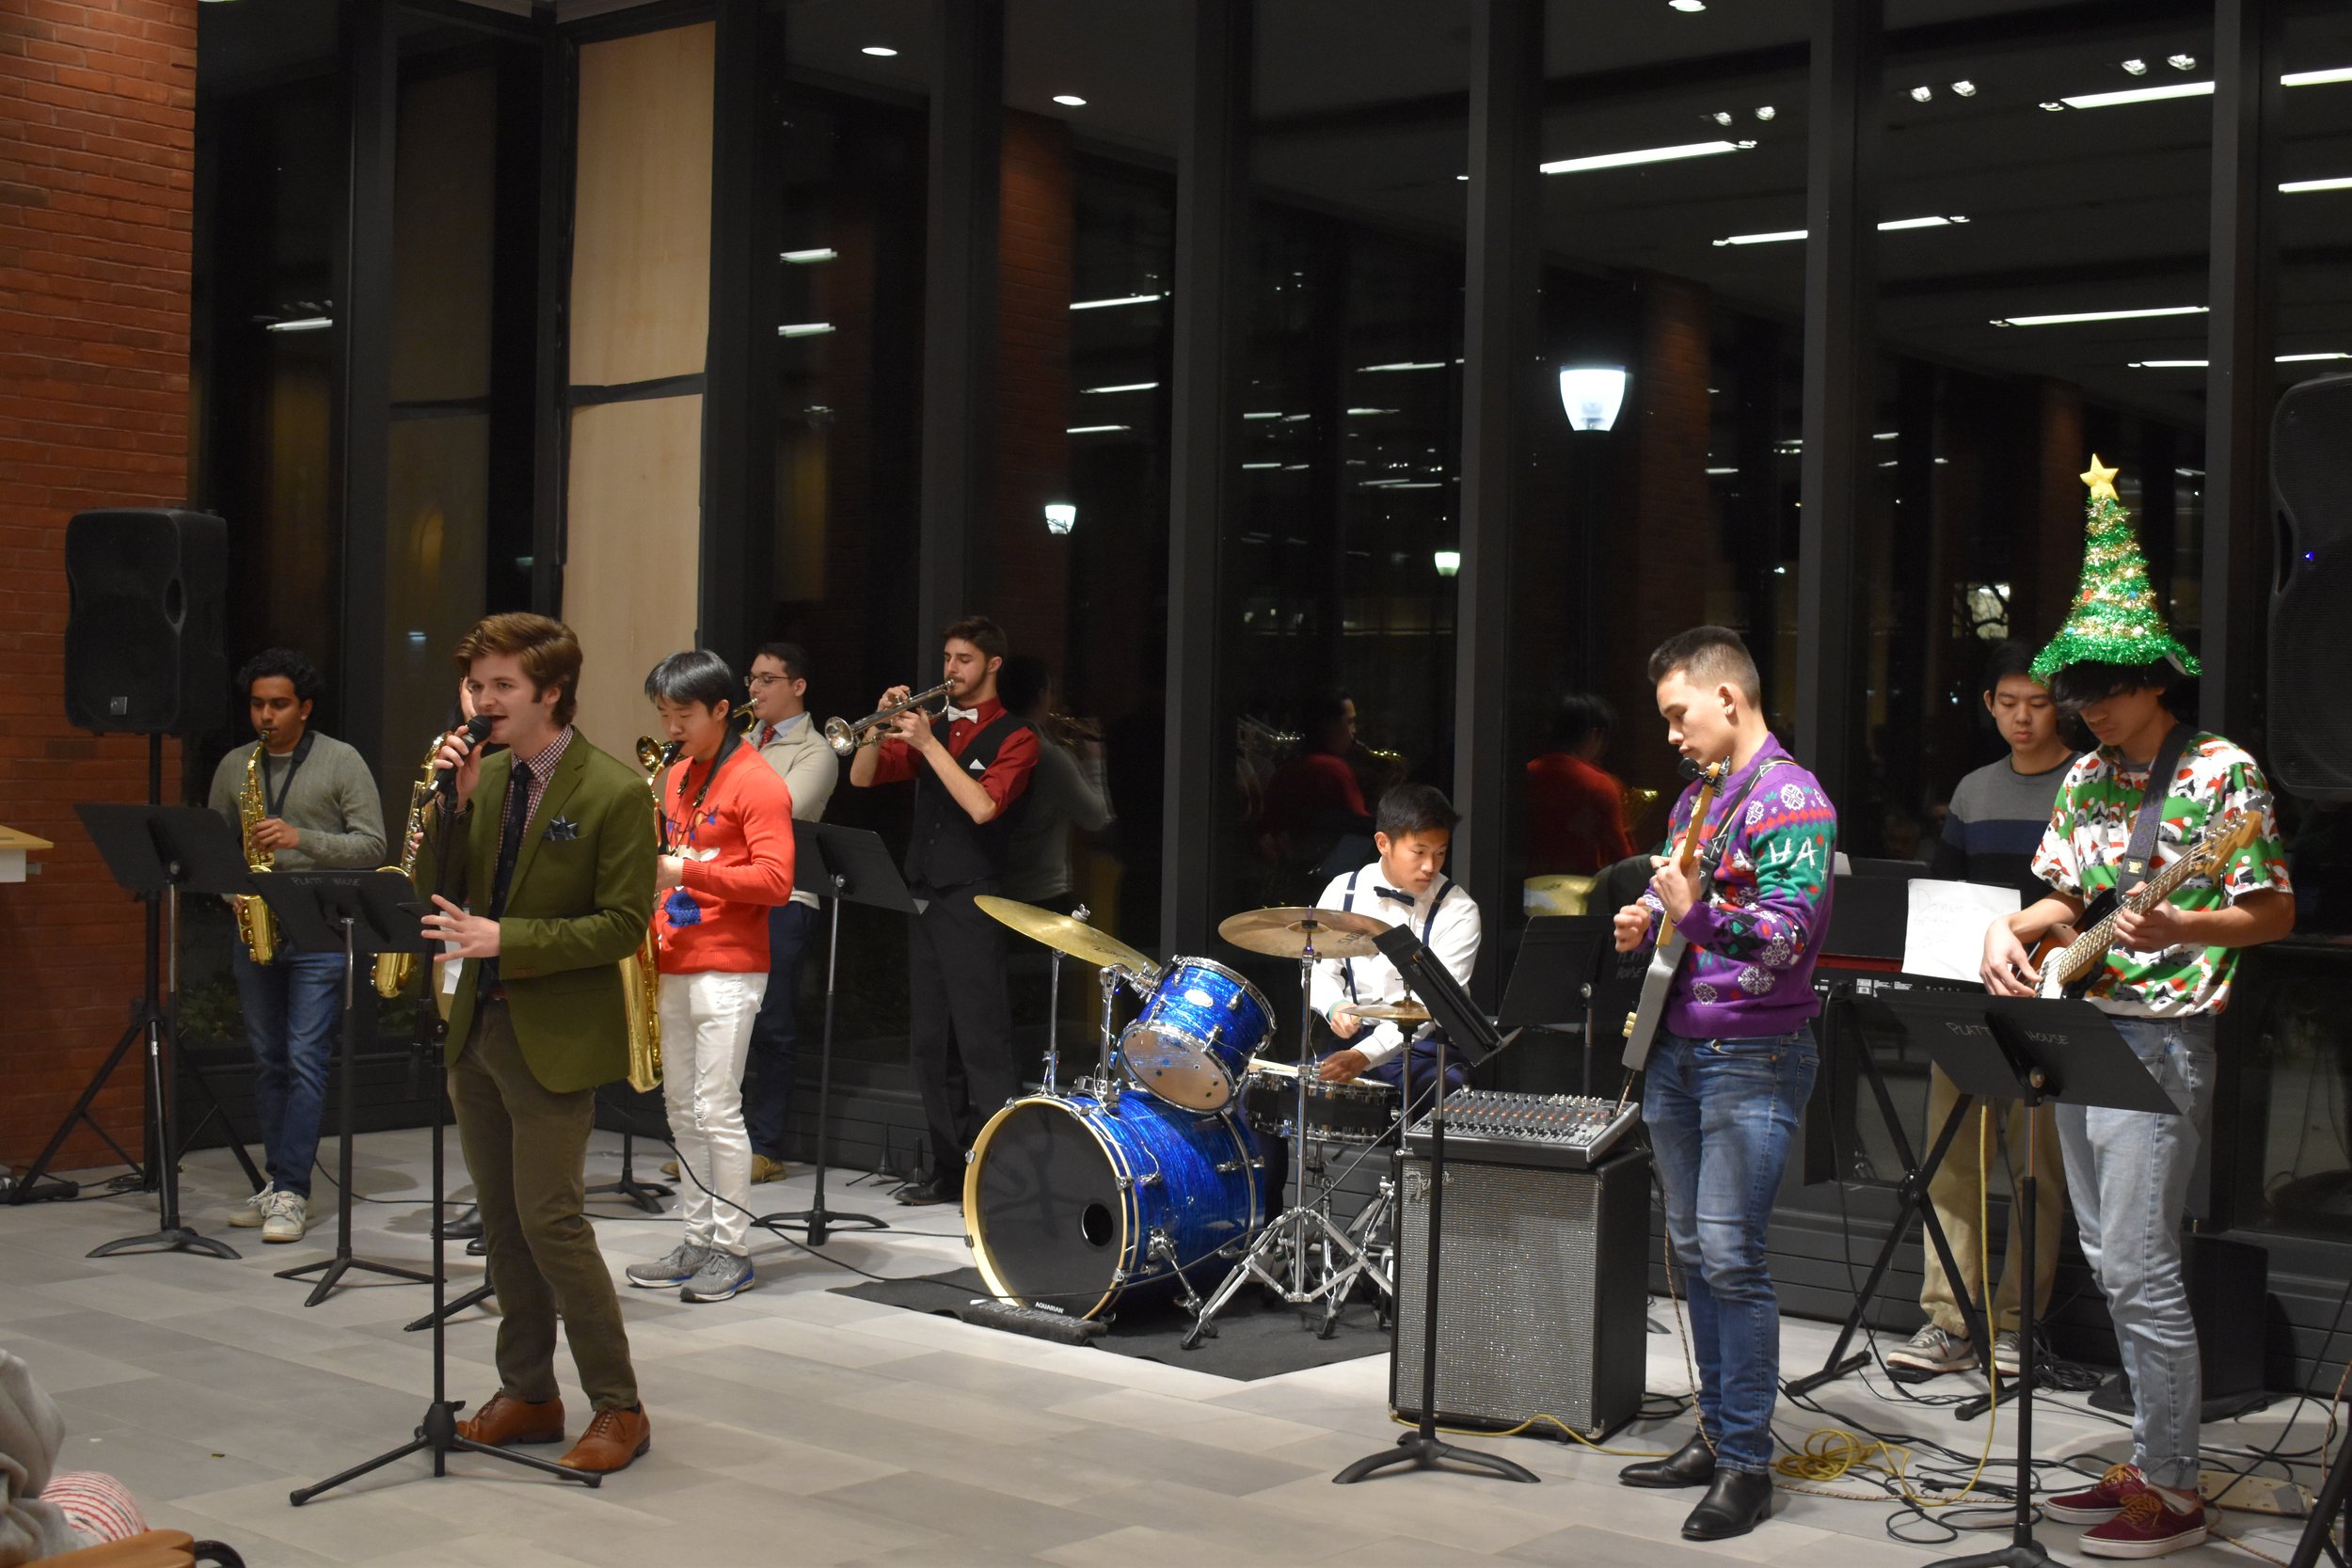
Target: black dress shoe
[1691,1464]
[1734,1505]
[921,1193]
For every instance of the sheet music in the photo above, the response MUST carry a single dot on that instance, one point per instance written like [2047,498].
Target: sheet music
[1943,934]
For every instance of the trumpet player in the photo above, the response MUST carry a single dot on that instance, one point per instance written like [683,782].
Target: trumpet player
[551,886]
[970,765]
[726,835]
[305,801]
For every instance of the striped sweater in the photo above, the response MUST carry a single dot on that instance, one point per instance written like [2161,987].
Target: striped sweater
[1754,937]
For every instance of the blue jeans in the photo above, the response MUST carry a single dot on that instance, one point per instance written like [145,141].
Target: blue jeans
[292,1009]
[1722,1115]
[2128,1174]
[775,1033]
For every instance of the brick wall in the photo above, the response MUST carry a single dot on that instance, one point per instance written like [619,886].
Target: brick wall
[97,182]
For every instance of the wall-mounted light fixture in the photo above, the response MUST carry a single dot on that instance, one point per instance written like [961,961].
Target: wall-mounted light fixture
[1061,516]
[1592,395]
[1448,562]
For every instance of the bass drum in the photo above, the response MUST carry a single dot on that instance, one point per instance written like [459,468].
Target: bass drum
[1080,1208]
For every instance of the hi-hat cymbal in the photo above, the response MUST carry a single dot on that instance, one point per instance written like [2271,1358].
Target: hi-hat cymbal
[1395,1012]
[1076,938]
[1287,932]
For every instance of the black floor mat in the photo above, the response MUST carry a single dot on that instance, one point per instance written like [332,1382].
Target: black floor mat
[1255,1335]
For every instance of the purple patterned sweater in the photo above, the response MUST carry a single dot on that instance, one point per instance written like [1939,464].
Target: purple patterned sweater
[1754,940]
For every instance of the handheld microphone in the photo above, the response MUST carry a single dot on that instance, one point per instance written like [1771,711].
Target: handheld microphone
[477,730]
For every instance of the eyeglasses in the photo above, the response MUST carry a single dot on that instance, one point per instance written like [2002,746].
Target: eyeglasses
[761,683]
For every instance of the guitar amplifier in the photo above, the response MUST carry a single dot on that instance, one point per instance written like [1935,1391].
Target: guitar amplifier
[1540,1293]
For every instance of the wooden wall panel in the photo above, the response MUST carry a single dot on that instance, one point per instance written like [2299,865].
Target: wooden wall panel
[629,570]
[641,241]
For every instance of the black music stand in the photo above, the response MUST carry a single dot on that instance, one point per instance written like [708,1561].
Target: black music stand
[156,852]
[1841,1025]
[358,915]
[2042,1051]
[1421,1448]
[1555,978]
[646,1195]
[842,866]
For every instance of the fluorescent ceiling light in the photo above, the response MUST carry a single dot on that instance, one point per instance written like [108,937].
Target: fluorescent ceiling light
[803,257]
[2294,187]
[2138,95]
[1777,235]
[1407,365]
[1123,386]
[1362,413]
[1261,465]
[2068,316]
[880,51]
[2304,358]
[1122,299]
[1719,472]
[2202,364]
[1643,155]
[1095,429]
[1070,100]
[301,323]
[2316,78]
[1268,414]
[804,329]
[1687,6]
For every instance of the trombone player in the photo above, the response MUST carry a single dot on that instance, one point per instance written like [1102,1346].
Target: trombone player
[970,767]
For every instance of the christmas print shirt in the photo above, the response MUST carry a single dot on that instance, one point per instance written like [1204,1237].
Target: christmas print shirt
[1754,939]
[2091,830]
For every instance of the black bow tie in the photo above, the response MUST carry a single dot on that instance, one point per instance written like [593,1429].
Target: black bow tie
[1392,893]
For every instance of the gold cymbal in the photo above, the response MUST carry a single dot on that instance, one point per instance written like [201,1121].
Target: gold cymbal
[1286,932]
[1076,938]
[1395,1012]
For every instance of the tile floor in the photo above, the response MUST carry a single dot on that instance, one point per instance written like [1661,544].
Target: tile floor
[798,1427]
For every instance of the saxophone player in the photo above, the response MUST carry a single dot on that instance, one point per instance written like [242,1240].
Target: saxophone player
[554,849]
[305,800]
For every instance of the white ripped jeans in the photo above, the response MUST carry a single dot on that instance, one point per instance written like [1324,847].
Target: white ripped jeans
[706,1032]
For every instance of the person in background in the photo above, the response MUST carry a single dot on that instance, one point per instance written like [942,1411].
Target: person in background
[321,812]
[1066,791]
[1575,807]
[45,1511]
[1317,823]
[1997,818]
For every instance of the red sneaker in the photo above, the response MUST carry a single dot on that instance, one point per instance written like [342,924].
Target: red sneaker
[2147,1527]
[2098,1504]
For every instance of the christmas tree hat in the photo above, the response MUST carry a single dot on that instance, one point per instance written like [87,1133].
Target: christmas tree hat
[2116,619]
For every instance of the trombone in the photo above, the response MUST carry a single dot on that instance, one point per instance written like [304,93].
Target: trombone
[845,735]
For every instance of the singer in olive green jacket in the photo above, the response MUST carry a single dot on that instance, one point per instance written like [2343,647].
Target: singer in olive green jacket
[580,901]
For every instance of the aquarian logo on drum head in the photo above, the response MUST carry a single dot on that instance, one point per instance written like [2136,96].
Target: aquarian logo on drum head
[1200,998]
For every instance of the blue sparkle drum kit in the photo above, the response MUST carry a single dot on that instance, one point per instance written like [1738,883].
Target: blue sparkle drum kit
[1145,1182]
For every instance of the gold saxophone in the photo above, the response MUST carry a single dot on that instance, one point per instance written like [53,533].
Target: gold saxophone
[256,926]
[393,970]
[640,980]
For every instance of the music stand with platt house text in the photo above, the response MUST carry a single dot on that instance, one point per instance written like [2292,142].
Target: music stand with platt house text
[358,915]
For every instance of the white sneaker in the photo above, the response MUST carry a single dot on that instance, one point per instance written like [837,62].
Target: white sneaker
[1933,1350]
[287,1216]
[253,1210]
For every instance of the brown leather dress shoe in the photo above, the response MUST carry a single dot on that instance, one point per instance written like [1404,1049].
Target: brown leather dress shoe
[614,1439]
[505,1422]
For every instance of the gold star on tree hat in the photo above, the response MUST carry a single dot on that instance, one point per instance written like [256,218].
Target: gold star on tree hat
[2115,619]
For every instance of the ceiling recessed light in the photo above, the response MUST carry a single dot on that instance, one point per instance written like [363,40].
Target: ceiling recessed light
[2065,318]
[1070,100]
[2180,62]
[1765,111]
[1921,93]
[1964,89]
[2136,67]
[1643,155]
[2054,106]
[880,51]
[1721,117]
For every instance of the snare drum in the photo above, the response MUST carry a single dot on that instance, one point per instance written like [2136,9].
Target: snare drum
[1198,1029]
[1358,1112]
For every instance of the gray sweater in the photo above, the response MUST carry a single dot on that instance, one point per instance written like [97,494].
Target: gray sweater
[332,804]
[1065,791]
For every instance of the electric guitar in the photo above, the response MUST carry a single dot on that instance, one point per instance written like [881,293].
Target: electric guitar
[1641,1025]
[2068,968]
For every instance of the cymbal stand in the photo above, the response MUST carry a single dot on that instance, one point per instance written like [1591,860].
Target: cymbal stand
[1102,1085]
[1053,1018]
[1292,1255]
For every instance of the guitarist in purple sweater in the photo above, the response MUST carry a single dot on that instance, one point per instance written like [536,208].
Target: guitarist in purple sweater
[1735,1058]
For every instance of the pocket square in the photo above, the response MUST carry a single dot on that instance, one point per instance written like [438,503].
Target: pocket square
[563,829]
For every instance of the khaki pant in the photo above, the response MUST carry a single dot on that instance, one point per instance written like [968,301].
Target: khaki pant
[527,1149]
[1954,1194]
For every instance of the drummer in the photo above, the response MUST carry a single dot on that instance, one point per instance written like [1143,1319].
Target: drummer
[1407,885]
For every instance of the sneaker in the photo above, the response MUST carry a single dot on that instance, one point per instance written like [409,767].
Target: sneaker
[723,1275]
[1933,1350]
[253,1210]
[765,1169]
[2147,1526]
[2008,1355]
[669,1272]
[2098,1504]
[285,1216]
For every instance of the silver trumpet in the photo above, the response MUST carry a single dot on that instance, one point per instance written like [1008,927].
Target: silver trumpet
[846,735]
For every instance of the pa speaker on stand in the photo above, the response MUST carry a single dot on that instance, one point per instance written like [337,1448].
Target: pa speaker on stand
[144,651]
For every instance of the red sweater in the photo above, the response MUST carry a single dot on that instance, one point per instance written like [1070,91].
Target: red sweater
[738,861]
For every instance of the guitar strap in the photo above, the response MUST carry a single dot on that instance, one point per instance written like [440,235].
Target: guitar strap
[2140,853]
[1711,853]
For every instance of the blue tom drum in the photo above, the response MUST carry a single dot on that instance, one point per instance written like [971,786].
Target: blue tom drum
[1198,1028]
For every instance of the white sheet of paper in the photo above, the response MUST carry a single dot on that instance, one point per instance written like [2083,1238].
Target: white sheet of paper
[1945,932]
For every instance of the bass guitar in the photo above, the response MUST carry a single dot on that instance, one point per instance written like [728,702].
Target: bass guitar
[2068,968]
[1641,1025]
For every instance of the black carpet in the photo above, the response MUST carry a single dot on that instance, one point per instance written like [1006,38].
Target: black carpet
[1255,1337]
